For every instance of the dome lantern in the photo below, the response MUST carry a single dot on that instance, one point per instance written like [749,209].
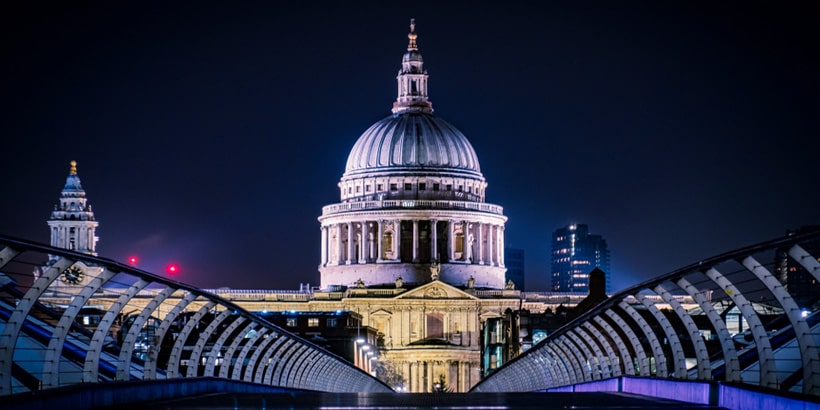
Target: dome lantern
[412,79]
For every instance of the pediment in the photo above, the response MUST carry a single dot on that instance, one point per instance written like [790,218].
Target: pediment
[436,290]
[381,313]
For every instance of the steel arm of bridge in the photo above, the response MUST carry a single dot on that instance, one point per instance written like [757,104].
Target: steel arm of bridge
[196,353]
[150,368]
[768,371]
[267,361]
[603,361]
[279,375]
[91,366]
[297,363]
[174,360]
[257,353]
[276,361]
[239,365]
[286,378]
[307,362]
[545,361]
[637,347]
[573,361]
[562,362]
[613,367]
[51,362]
[593,362]
[802,332]
[8,339]
[701,353]
[231,350]
[727,345]
[127,347]
[217,347]
[657,351]
[627,360]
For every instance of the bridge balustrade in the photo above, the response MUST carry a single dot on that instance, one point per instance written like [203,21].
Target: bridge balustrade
[748,316]
[68,318]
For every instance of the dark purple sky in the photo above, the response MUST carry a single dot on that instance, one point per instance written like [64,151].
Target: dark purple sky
[212,133]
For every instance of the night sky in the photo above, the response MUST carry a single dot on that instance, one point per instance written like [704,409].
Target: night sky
[211,134]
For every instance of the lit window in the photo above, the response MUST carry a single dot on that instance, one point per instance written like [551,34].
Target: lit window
[331,322]
[291,322]
[313,322]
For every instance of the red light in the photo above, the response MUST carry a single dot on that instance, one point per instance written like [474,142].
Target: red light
[172,269]
[132,260]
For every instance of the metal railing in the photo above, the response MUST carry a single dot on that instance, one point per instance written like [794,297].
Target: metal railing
[69,318]
[747,316]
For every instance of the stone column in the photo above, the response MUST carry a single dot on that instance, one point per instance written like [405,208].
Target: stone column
[339,244]
[450,245]
[468,242]
[433,239]
[499,251]
[397,240]
[349,258]
[363,242]
[380,239]
[490,244]
[415,241]
[480,243]
[372,238]
[324,245]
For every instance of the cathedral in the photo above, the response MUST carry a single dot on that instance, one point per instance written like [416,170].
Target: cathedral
[412,250]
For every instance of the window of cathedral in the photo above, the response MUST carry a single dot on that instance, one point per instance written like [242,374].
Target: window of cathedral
[435,186]
[435,325]
[422,186]
[379,187]
[367,188]
[394,187]
[408,187]
[449,187]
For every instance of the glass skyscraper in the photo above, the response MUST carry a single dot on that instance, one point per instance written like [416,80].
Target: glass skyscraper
[575,252]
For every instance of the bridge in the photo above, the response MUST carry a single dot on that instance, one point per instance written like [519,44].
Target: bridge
[722,331]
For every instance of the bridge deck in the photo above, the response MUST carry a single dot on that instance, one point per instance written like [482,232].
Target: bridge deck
[312,400]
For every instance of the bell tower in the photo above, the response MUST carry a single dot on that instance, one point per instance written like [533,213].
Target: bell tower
[72,222]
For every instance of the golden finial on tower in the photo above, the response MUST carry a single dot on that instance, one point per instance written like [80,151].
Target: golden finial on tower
[73,170]
[412,36]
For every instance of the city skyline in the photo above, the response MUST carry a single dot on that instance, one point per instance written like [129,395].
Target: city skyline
[212,137]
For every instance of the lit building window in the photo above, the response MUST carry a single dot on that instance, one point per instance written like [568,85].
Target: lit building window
[331,322]
[313,322]
[291,322]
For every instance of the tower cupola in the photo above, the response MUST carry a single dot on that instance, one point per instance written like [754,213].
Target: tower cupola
[72,221]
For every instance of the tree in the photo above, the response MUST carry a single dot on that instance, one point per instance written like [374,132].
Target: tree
[440,385]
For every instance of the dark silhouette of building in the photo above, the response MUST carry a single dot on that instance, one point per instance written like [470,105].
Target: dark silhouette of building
[514,261]
[575,253]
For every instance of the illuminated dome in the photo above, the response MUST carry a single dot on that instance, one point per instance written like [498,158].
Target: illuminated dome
[412,206]
[413,141]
